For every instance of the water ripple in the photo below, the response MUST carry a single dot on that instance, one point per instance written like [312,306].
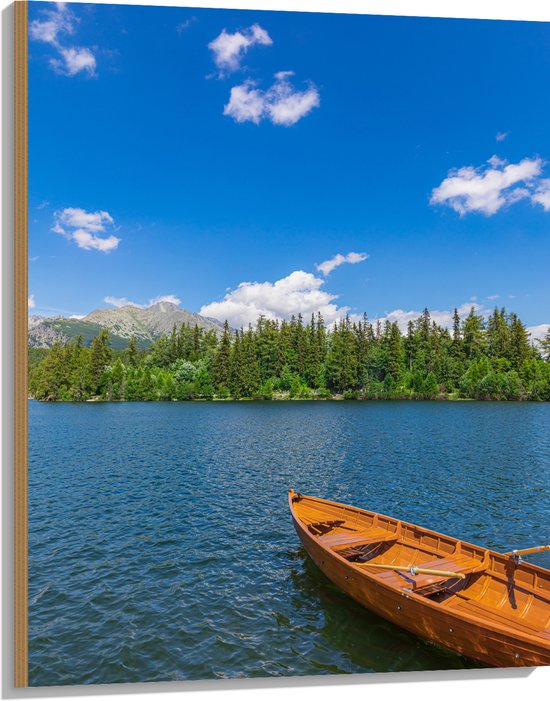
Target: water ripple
[161,548]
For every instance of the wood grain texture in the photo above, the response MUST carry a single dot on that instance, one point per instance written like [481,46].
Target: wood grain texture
[20,338]
[498,612]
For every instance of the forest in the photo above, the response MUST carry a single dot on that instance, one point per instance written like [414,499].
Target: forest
[479,358]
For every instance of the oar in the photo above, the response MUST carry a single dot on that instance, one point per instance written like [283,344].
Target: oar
[528,551]
[414,570]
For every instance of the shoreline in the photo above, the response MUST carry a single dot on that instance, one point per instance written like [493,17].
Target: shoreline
[232,400]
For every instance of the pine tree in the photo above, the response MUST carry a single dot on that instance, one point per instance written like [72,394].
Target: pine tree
[101,355]
[133,353]
[362,344]
[498,335]
[173,345]
[545,345]
[236,372]
[394,353]
[409,345]
[147,386]
[251,378]
[457,347]
[495,361]
[312,361]
[520,348]
[430,387]
[197,337]
[472,334]
[283,347]
[52,381]
[79,367]
[117,381]
[221,365]
[267,332]
[341,366]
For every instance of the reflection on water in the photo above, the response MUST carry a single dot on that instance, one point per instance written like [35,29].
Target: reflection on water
[161,546]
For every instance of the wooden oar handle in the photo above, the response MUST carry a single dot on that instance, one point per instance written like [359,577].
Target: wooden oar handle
[415,570]
[528,551]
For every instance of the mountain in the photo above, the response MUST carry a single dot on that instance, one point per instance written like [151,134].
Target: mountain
[45,331]
[122,322]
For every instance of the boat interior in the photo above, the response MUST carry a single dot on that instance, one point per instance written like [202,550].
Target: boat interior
[472,579]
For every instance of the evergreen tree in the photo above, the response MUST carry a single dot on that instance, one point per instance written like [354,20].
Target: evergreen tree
[472,335]
[147,386]
[409,345]
[101,355]
[133,353]
[520,348]
[221,365]
[116,381]
[430,387]
[341,365]
[173,345]
[313,359]
[250,374]
[545,345]
[498,336]
[267,333]
[236,367]
[457,349]
[394,362]
[487,361]
[79,368]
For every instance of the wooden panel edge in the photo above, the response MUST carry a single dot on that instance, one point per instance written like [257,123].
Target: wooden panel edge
[20,341]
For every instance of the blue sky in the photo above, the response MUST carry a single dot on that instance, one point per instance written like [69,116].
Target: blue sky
[220,156]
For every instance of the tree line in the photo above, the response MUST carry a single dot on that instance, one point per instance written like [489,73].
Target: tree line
[477,359]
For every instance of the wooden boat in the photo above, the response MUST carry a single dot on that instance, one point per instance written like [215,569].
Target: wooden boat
[488,606]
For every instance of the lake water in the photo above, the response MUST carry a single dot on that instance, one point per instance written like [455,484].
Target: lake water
[161,547]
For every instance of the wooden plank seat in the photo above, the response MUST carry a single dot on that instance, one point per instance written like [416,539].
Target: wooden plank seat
[430,583]
[348,540]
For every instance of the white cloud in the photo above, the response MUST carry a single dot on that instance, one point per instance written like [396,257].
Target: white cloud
[493,297]
[281,104]
[31,302]
[171,299]
[328,266]
[542,194]
[86,228]
[229,49]
[121,302]
[285,105]
[61,22]
[488,188]
[125,302]
[74,60]
[441,318]
[501,136]
[80,218]
[297,293]
[495,161]
[538,332]
[246,103]
[182,26]
[88,241]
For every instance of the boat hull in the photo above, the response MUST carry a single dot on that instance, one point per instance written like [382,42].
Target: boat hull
[489,644]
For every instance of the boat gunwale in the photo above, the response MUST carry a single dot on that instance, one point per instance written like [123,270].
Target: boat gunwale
[418,598]
[505,558]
